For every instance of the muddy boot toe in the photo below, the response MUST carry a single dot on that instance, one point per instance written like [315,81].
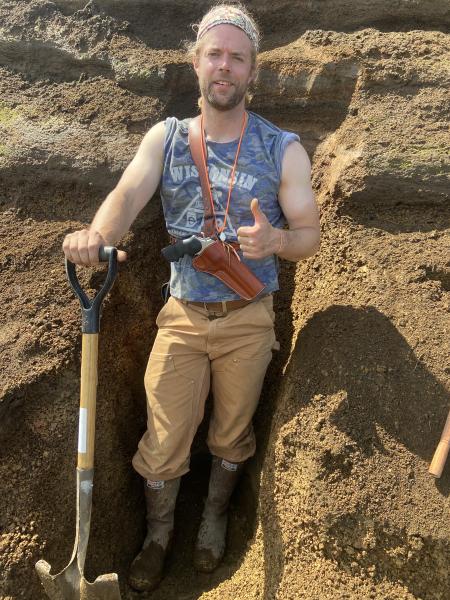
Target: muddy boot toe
[146,570]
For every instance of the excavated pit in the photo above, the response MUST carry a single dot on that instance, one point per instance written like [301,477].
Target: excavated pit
[337,503]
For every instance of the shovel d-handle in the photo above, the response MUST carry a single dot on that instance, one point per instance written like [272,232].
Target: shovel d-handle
[90,310]
[440,456]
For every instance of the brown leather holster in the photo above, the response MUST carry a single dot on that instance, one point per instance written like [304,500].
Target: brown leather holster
[219,259]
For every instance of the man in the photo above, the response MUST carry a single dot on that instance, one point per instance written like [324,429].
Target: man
[259,177]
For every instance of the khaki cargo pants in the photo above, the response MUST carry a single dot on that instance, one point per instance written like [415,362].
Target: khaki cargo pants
[192,352]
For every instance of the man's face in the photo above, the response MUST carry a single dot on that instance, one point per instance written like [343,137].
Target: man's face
[224,66]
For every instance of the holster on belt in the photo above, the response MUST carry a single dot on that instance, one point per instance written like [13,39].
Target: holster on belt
[222,261]
[219,258]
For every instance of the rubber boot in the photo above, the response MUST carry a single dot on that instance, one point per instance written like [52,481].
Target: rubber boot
[210,544]
[147,568]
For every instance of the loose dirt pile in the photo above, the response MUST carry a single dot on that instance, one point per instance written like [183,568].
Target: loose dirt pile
[337,502]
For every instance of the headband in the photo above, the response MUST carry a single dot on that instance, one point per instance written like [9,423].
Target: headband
[229,15]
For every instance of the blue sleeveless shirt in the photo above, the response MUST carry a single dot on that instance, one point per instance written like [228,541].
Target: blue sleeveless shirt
[258,175]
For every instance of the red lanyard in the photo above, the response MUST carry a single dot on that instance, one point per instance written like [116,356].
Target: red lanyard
[211,200]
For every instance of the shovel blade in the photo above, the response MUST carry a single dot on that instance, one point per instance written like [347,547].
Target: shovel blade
[71,585]
[105,587]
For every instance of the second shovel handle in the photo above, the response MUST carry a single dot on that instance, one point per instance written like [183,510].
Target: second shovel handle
[442,450]
[88,398]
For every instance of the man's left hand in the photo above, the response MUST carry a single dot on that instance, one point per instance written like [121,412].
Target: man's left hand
[261,239]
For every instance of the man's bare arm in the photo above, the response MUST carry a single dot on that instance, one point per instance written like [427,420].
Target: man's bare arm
[297,202]
[121,207]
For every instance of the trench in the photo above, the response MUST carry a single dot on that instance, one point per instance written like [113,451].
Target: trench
[118,525]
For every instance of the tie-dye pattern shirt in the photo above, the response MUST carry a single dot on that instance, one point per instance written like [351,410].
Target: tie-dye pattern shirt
[258,175]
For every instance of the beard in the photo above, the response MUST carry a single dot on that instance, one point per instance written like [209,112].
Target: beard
[223,103]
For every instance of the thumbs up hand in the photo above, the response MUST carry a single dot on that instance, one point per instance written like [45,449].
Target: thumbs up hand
[258,240]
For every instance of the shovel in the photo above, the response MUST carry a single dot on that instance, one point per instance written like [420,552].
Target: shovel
[441,452]
[70,583]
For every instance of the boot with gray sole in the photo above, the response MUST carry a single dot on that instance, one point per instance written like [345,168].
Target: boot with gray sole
[146,570]
[210,544]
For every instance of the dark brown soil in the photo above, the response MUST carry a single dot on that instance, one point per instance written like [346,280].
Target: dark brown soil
[337,502]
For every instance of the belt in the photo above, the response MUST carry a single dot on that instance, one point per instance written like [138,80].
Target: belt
[219,309]
[223,307]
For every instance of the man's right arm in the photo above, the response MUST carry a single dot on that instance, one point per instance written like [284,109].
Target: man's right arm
[116,214]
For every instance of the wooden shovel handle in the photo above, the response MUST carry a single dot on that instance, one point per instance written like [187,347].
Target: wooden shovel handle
[88,397]
[442,450]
